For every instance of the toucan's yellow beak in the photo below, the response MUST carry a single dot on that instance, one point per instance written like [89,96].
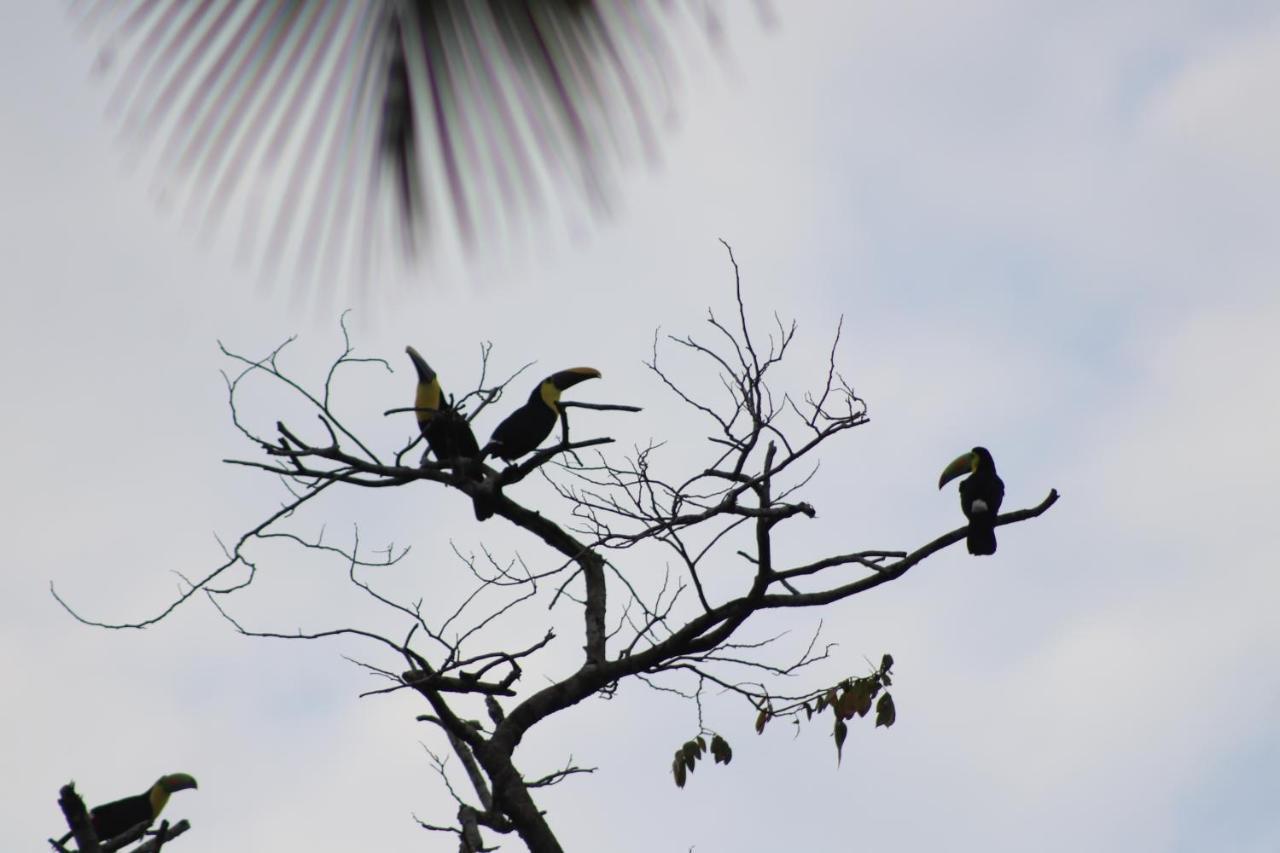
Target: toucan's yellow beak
[963,464]
[179,782]
[566,379]
[425,373]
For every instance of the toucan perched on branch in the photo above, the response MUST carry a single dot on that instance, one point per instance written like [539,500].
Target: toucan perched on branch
[446,430]
[114,819]
[526,427]
[980,496]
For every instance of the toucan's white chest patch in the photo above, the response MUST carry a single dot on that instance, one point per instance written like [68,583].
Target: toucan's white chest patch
[979,506]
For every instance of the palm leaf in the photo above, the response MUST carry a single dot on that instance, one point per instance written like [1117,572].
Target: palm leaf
[354,125]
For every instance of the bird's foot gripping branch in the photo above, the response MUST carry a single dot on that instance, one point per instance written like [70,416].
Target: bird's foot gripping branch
[668,564]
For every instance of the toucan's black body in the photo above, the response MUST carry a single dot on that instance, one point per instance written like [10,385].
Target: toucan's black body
[981,494]
[525,428]
[447,431]
[116,818]
[449,436]
[113,819]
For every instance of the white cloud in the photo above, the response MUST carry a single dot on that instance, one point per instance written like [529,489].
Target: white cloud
[1217,107]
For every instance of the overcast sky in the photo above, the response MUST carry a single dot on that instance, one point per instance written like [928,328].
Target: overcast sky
[1051,229]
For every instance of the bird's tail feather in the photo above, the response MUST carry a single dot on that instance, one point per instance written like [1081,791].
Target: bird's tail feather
[981,539]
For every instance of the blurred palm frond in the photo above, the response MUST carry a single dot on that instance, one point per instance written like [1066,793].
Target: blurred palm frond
[354,124]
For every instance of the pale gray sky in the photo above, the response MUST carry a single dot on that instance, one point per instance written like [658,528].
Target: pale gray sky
[1051,229]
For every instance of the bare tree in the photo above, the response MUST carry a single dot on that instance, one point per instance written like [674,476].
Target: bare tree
[622,517]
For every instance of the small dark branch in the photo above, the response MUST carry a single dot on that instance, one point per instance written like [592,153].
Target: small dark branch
[296,451]
[672,539]
[78,819]
[753,692]
[502,611]
[268,365]
[400,454]
[488,395]
[788,586]
[125,838]
[167,833]
[734,476]
[450,684]
[302,635]
[516,473]
[893,571]
[468,830]
[346,358]
[324,422]
[808,658]
[401,409]
[872,560]
[774,513]
[508,577]
[444,717]
[599,407]
[652,364]
[386,478]
[353,562]
[559,776]
[674,691]
[431,827]
[234,383]
[661,524]
[510,659]
[421,680]
[377,672]
[736,388]
[659,617]
[722,655]
[440,765]
[742,309]
[236,557]
[818,410]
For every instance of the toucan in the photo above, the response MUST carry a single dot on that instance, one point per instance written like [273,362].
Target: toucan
[114,819]
[525,428]
[446,430]
[980,496]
